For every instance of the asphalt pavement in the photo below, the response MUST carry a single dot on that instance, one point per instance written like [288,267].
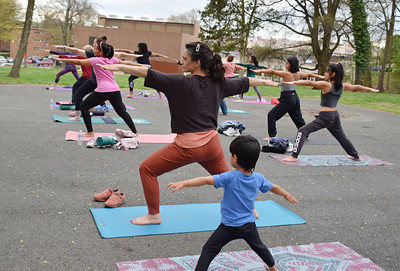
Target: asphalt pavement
[47,185]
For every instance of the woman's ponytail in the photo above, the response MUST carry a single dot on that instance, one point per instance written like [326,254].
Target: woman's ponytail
[210,63]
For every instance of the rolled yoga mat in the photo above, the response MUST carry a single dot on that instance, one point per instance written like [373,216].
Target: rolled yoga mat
[106,140]
[67,106]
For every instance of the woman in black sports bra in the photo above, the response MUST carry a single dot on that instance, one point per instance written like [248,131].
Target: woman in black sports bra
[328,116]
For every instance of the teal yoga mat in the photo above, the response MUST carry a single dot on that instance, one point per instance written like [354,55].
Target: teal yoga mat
[97,120]
[115,222]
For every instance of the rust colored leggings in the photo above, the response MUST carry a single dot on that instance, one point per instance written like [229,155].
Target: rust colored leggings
[210,156]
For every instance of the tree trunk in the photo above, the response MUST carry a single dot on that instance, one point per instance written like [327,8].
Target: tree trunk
[24,40]
[388,49]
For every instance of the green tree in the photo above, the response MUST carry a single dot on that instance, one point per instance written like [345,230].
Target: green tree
[24,40]
[8,17]
[362,42]
[228,24]
[64,14]
[321,21]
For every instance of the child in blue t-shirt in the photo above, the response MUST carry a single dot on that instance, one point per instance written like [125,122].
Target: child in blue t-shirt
[240,192]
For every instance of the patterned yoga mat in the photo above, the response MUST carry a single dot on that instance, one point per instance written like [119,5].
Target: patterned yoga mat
[324,256]
[330,161]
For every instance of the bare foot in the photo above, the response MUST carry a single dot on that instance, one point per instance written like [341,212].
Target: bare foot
[355,159]
[267,138]
[272,268]
[75,118]
[289,159]
[147,220]
[308,138]
[256,213]
[88,134]
[129,96]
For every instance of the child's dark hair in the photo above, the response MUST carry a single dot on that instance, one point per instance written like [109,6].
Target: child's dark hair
[247,150]
[230,58]
[339,73]
[255,61]
[106,49]
[294,64]
[210,63]
[142,47]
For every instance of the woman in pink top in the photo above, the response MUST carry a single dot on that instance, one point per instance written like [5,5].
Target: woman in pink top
[107,88]
[230,68]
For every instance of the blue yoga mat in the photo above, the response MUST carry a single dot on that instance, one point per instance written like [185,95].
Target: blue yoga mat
[116,222]
[97,120]
[236,111]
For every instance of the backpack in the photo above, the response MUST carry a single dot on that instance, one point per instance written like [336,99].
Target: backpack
[276,144]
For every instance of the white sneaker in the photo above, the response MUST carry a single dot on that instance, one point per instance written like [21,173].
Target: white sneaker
[91,143]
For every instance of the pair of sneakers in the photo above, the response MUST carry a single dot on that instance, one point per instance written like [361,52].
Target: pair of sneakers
[112,198]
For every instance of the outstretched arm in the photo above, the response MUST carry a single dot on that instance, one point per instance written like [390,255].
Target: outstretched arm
[200,181]
[82,62]
[80,52]
[325,86]
[126,55]
[276,189]
[134,70]
[124,50]
[271,71]
[309,74]
[261,82]
[157,55]
[350,87]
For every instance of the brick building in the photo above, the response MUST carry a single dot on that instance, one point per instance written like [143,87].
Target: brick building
[39,39]
[167,38]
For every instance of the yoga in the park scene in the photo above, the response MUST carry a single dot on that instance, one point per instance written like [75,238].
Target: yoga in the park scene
[296,98]
[241,188]
[193,103]
[289,102]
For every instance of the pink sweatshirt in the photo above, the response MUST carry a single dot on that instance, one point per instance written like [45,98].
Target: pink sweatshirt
[105,79]
[230,69]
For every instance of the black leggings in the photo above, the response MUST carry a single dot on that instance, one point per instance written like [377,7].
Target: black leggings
[130,80]
[224,235]
[75,88]
[289,102]
[331,121]
[87,87]
[116,101]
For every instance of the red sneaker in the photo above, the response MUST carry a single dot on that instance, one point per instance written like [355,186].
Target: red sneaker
[105,195]
[115,200]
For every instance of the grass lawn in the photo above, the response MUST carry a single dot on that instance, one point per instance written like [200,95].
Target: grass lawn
[45,76]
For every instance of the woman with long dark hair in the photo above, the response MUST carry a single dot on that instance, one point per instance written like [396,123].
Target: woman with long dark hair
[193,103]
[144,58]
[328,116]
[289,102]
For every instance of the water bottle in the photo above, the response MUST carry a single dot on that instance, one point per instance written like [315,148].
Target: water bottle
[51,104]
[80,137]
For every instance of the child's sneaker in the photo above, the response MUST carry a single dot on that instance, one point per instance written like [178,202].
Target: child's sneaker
[105,195]
[115,200]
[91,143]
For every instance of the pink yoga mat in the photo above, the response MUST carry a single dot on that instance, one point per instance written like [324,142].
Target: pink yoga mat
[323,256]
[143,138]
[251,102]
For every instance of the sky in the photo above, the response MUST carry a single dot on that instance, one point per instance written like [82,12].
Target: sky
[152,9]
